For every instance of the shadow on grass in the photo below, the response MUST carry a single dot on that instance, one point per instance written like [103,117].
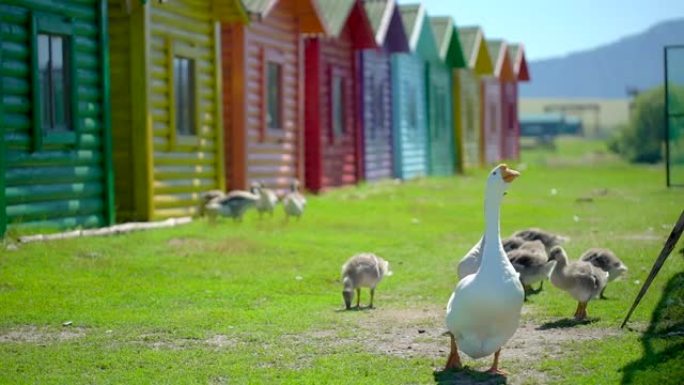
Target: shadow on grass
[354,308]
[566,323]
[663,342]
[467,376]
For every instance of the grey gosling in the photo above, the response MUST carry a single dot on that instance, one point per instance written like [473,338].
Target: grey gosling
[294,202]
[580,279]
[233,205]
[207,197]
[512,243]
[535,234]
[362,270]
[532,263]
[607,261]
[267,198]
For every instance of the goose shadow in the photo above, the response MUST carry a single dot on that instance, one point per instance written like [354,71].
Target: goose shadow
[467,376]
[354,309]
[663,340]
[566,323]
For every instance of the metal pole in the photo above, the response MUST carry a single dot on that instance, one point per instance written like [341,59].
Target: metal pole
[664,253]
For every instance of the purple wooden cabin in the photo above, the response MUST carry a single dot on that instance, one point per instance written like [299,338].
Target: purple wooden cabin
[375,146]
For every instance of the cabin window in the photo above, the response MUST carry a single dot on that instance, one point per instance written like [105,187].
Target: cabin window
[53,63]
[338,106]
[440,112]
[53,80]
[492,119]
[184,92]
[411,107]
[274,95]
[378,106]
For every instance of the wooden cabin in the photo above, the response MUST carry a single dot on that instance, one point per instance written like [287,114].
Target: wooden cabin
[55,148]
[468,88]
[375,160]
[263,92]
[511,139]
[451,51]
[332,101]
[409,95]
[495,119]
[166,101]
[441,96]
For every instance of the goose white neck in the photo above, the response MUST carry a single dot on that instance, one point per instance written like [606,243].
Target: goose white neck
[492,244]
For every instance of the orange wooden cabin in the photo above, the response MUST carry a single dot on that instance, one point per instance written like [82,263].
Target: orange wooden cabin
[263,92]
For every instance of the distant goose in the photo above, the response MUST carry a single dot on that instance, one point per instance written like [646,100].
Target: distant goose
[531,261]
[267,198]
[207,197]
[607,261]
[547,238]
[294,202]
[362,270]
[580,279]
[233,205]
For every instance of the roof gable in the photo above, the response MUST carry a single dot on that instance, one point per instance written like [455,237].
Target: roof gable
[222,10]
[417,27]
[338,14]
[385,20]
[447,40]
[498,51]
[517,54]
[307,12]
[475,50]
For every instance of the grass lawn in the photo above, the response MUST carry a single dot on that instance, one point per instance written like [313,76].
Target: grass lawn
[260,302]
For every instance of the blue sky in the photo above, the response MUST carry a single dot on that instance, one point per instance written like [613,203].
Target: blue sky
[551,28]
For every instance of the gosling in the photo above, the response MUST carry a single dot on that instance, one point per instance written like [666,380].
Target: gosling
[362,270]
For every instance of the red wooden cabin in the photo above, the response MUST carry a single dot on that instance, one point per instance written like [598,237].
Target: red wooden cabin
[511,144]
[333,117]
[263,92]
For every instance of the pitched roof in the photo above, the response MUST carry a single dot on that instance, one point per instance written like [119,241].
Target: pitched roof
[448,43]
[517,54]
[498,51]
[259,7]
[418,30]
[335,14]
[223,10]
[385,20]
[475,50]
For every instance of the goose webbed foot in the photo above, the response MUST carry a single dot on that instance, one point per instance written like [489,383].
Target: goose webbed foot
[454,360]
[495,365]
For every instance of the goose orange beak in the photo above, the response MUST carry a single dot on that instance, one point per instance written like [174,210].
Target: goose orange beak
[508,174]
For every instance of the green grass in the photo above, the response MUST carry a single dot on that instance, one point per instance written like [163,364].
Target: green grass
[259,302]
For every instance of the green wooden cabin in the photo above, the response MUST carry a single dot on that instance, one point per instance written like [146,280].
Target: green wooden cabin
[443,99]
[166,103]
[55,150]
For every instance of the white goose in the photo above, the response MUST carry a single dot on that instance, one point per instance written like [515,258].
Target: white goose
[484,310]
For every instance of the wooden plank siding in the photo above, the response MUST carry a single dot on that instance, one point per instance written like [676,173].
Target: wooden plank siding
[51,183]
[470,128]
[253,152]
[331,159]
[377,115]
[409,132]
[511,126]
[440,124]
[162,173]
[491,113]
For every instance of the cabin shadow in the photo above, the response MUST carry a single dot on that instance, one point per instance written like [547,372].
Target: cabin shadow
[467,376]
[663,341]
[566,323]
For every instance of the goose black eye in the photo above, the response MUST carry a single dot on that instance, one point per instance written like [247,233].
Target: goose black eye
[494,173]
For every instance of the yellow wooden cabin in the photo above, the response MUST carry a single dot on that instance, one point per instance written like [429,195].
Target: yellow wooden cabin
[166,103]
[467,88]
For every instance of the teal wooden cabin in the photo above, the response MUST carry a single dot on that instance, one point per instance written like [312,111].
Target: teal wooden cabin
[409,95]
[55,150]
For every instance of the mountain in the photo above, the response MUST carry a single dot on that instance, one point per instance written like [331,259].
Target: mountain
[635,61]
